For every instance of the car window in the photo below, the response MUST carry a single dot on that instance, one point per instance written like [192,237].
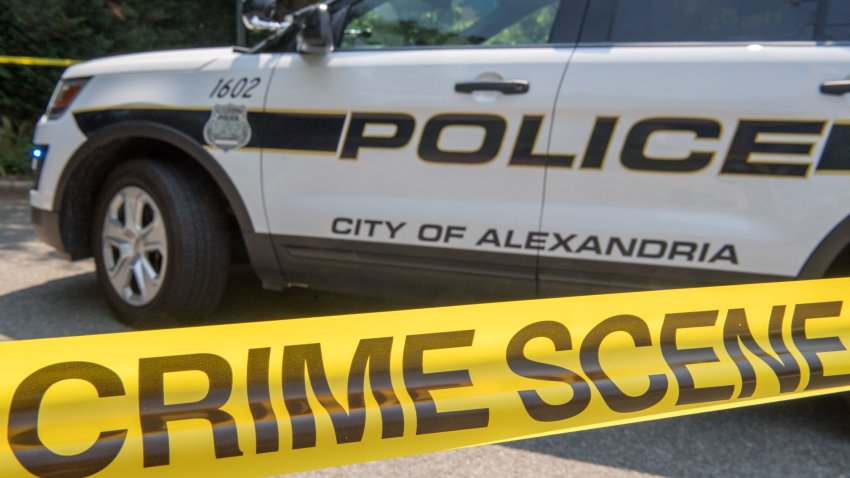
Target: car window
[835,22]
[376,24]
[721,21]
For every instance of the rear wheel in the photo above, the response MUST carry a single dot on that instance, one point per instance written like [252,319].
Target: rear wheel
[161,244]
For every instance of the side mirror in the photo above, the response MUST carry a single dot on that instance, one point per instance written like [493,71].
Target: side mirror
[315,30]
[259,15]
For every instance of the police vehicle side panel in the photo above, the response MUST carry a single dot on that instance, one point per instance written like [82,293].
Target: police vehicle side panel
[716,158]
[367,171]
[402,170]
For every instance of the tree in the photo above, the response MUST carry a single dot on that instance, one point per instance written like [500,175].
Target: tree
[85,29]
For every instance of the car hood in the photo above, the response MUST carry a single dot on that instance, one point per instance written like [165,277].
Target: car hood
[173,60]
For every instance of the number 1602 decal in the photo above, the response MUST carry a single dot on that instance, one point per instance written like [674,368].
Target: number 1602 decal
[235,87]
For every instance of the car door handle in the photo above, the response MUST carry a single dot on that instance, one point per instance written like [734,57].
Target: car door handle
[508,87]
[837,87]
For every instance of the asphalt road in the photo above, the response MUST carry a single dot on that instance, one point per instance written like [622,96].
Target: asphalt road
[44,296]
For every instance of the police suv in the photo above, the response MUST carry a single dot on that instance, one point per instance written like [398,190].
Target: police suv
[466,149]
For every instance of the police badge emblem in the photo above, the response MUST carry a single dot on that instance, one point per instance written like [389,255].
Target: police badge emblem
[228,127]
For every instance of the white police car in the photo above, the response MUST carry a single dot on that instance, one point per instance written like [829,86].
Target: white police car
[474,149]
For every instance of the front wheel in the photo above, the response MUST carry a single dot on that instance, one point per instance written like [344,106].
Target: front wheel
[161,244]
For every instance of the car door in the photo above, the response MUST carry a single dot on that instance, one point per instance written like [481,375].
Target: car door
[392,163]
[704,149]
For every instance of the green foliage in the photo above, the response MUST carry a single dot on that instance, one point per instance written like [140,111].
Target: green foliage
[85,29]
[534,28]
[15,148]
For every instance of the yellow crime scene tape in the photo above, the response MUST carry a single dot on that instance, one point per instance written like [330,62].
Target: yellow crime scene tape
[33,61]
[259,399]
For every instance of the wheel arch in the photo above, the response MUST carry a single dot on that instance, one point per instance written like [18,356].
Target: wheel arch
[114,144]
[829,253]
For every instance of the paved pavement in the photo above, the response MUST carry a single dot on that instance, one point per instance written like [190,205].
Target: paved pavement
[43,296]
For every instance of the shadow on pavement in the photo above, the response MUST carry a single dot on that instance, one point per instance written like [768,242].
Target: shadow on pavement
[67,306]
[246,301]
[75,306]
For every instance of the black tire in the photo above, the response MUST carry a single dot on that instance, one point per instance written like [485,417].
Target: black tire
[190,270]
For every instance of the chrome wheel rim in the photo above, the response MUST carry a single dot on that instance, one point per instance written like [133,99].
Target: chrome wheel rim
[135,248]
